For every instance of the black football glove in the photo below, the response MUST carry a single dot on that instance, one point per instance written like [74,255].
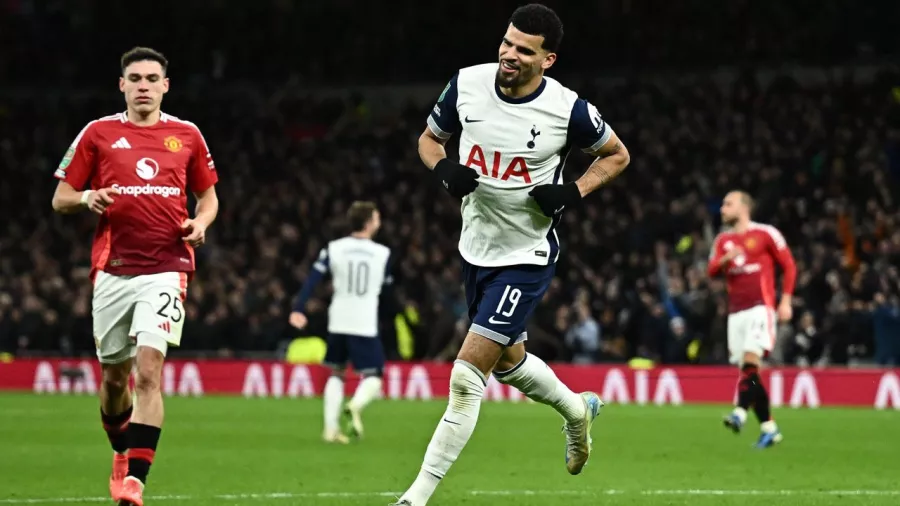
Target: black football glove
[552,198]
[459,180]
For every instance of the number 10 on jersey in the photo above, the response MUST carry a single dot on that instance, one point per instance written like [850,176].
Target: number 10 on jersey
[358,278]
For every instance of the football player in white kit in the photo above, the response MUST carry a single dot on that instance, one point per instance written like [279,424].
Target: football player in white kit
[359,269]
[516,127]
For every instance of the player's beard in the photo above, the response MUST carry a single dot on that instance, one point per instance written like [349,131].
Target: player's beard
[514,81]
[729,221]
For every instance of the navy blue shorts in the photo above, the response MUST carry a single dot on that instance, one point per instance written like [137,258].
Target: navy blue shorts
[501,299]
[365,353]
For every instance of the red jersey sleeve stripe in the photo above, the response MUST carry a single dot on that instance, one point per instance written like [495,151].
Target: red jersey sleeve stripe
[182,284]
[103,258]
[774,234]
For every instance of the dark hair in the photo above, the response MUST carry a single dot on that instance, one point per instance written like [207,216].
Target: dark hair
[144,54]
[537,19]
[359,214]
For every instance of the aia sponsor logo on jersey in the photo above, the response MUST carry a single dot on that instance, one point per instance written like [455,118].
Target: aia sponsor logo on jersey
[515,168]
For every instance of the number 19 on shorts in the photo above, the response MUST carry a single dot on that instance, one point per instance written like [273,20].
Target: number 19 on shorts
[509,299]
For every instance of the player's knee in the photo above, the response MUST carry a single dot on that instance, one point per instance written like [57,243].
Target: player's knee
[467,385]
[751,358]
[146,382]
[149,370]
[512,358]
[115,377]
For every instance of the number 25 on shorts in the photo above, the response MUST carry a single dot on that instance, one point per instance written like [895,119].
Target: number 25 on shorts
[509,294]
[171,307]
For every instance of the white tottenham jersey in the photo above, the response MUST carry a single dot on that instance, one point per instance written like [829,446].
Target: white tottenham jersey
[359,269]
[514,144]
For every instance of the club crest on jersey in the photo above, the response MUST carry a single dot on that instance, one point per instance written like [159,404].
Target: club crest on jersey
[534,133]
[173,143]
[750,243]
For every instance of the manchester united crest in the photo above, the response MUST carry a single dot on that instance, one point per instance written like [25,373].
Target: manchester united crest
[750,243]
[173,143]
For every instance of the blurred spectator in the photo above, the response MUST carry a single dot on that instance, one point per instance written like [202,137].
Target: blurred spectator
[806,347]
[886,317]
[583,337]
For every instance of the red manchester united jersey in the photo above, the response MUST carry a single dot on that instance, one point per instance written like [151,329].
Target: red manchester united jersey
[751,275]
[153,168]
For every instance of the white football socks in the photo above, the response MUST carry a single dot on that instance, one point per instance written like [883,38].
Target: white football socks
[534,378]
[741,414]
[333,397]
[453,431]
[366,392]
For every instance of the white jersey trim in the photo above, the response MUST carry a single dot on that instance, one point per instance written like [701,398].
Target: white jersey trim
[436,130]
[774,233]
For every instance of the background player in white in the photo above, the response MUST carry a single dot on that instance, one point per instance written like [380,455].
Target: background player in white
[516,127]
[359,269]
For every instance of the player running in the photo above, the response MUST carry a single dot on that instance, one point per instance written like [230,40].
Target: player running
[746,254]
[516,127]
[134,170]
[359,269]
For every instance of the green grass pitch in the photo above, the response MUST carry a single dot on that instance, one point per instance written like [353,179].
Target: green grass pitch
[234,451]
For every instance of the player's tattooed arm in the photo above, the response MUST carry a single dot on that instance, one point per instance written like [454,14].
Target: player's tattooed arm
[612,158]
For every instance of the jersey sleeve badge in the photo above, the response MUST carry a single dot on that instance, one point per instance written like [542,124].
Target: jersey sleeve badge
[67,159]
[444,93]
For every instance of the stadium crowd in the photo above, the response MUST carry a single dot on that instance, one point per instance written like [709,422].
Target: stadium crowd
[390,41]
[823,162]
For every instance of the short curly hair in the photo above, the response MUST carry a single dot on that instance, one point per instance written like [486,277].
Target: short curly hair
[537,19]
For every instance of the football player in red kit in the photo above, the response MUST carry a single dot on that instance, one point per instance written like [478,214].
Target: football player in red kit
[134,169]
[746,253]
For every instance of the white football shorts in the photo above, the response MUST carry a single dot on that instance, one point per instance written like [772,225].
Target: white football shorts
[751,330]
[132,311]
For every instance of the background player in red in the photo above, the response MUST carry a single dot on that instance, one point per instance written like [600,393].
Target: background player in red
[134,170]
[746,252]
